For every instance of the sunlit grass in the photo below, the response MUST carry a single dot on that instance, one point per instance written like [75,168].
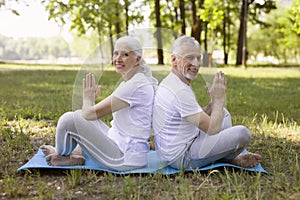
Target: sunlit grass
[263,99]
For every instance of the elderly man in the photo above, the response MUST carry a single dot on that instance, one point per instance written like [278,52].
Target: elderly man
[190,136]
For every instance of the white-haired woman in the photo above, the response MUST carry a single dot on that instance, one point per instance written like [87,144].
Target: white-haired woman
[124,145]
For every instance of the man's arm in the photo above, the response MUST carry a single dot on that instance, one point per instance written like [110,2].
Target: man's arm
[208,108]
[212,124]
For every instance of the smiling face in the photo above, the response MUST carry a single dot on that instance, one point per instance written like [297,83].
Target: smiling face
[186,63]
[124,58]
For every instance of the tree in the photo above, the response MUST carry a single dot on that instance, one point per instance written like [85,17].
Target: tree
[158,33]
[106,17]
[9,4]
[251,9]
[276,39]
[196,21]
[295,15]
[212,13]
[182,16]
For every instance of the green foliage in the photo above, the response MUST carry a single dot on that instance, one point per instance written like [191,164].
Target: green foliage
[212,12]
[277,39]
[295,15]
[105,17]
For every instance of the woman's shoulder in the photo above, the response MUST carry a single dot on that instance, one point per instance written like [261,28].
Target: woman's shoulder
[139,79]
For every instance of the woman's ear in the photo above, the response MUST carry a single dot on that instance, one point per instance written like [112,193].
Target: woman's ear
[138,59]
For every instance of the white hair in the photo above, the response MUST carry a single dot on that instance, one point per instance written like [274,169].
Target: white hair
[136,47]
[177,44]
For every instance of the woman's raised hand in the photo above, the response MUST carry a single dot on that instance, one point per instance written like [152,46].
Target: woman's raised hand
[90,91]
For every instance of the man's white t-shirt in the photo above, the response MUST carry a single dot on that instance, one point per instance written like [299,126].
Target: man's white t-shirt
[174,101]
[131,126]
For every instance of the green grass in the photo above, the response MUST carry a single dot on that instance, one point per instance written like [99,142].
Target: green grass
[266,100]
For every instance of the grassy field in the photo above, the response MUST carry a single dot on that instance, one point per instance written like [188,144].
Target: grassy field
[266,100]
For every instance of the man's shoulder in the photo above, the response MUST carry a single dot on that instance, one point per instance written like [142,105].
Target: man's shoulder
[173,83]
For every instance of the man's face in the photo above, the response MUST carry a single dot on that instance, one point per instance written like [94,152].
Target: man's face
[188,61]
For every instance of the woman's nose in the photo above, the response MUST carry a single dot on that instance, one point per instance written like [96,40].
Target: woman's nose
[118,57]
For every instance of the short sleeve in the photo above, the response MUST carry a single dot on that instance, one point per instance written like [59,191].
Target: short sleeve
[132,90]
[187,103]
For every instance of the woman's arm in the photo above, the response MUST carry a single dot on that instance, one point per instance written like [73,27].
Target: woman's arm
[105,107]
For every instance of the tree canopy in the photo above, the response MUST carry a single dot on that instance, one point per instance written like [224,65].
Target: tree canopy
[240,29]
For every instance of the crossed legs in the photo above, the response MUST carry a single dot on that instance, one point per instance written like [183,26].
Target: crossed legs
[54,159]
[225,147]
[75,135]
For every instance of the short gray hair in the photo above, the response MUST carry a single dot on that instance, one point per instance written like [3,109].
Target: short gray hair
[183,40]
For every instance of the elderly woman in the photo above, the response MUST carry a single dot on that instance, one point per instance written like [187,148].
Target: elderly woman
[124,145]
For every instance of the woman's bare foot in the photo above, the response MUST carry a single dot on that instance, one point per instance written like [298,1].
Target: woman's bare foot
[59,160]
[246,160]
[48,149]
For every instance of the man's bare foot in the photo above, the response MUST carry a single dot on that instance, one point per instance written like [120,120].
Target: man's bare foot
[59,160]
[48,149]
[246,160]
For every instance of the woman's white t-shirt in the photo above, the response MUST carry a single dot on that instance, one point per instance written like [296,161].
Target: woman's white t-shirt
[131,126]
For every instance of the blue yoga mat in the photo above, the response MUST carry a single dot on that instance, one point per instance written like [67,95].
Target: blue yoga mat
[38,161]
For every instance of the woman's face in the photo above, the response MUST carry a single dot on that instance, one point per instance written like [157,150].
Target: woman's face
[124,59]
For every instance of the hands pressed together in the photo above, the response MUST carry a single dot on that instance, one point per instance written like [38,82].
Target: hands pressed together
[217,90]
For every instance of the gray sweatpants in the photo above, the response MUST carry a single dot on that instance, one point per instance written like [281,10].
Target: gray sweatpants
[73,129]
[206,149]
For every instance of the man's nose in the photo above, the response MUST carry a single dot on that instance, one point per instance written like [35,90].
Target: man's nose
[195,61]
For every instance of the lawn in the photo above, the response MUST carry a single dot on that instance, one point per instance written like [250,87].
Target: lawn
[266,100]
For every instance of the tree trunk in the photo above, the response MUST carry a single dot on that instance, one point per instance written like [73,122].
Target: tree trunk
[111,39]
[211,49]
[174,20]
[205,37]
[118,25]
[242,39]
[196,21]
[182,16]
[98,30]
[127,16]
[158,33]
[226,28]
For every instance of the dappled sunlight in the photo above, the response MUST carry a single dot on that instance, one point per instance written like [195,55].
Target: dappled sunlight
[31,127]
[285,129]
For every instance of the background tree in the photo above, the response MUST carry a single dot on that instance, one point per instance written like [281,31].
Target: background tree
[9,5]
[108,18]
[228,30]
[253,10]
[276,38]
[33,48]
[196,21]
[295,15]
[212,13]
[158,33]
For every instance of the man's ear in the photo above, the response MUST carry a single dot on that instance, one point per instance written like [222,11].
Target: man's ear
[173,59]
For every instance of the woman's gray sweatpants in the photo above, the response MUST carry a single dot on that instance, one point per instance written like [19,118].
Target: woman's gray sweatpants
[206,149]
[73,129]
